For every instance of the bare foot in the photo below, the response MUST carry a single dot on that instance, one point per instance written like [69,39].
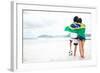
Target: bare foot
[74,54]
[82,57]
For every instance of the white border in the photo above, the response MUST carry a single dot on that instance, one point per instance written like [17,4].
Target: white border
[16,58]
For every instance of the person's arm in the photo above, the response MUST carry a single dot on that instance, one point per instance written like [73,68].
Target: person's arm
[68,28]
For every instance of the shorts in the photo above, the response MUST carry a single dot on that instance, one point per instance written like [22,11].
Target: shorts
[81,38]
[75,43]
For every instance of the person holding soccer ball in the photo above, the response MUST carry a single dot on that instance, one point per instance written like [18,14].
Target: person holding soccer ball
[78,28]
[73,36]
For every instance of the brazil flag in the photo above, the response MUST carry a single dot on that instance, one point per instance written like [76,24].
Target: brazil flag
[80,31]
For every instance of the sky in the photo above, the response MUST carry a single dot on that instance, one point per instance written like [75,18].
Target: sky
[37,23]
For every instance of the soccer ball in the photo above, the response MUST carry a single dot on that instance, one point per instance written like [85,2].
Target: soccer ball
[70,53]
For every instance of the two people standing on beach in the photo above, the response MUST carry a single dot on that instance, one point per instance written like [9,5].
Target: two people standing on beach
[78,28]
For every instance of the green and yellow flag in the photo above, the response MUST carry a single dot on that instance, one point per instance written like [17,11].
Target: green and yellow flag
[80,31]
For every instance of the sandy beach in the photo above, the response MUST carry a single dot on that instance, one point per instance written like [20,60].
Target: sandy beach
[51,49]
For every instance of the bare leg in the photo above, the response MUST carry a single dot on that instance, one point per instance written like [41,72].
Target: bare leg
[75,50]
[70,51]
[81,49]
[70,44]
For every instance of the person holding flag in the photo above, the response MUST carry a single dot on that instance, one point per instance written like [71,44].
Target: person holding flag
[79,28]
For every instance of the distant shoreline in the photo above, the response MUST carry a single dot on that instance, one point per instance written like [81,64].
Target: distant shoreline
[35,38]
[88,36]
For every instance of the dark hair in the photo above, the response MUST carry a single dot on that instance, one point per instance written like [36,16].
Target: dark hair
[75,18]
[79,20]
